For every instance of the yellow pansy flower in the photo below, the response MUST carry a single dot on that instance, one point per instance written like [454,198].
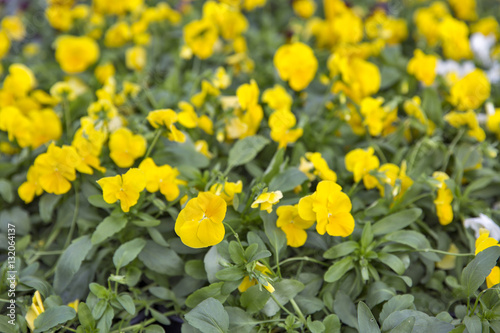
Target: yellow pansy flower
[304,8]
[296,64]
[360,162]
[321,168]
[34,311]
[117,35]
[31,186]
[464,9]
[293,225]
[199,224]
[201,146]
[104,72]
[162,178]
[227,190]
[135,58]
[281,123]
[14,27]
[467,119]
[4,44]
[126,188]
[423,67]
[221,79]
[330,207]
[494,277]
[484,241]
[471,91]
[125,147]
[443,199]
[249,282]
[200,37]
[266,200]
[57,168]
[76,54]
[277,98]
[391,173]
[20,80]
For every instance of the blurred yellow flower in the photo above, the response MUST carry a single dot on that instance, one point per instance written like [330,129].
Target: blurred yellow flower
[443,199]
[200,37]
[281,123]
[76,54]
[30,187]
[423,67]
[135,58]
[125,147]
[14,27]
[471,91]
[484,241]
[304,8]
[227,190]
[321,168]
[494,277]
[277,98]
[296,64]
[360,162]
[199,224]
[117,35]
[126,188]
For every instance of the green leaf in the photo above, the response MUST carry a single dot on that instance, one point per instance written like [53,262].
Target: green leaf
[97,200]
[6,191]
[414,240]
[396,303]
[161,259]
[160,317]
[246,149]
[378,292]
[345,309]
[70,262]
[128,252]
[106,320]
[239,320]
[47,204]
[209,317]
[309,304]
[341,250]
[212,291]
[366,236]
[366,321]
[396,221]
[108,227]
[315,326]
[423,322]
[196,269]
[393,262]
[254,298]
[276,236]
[406,326]
[6,327]
[389,76]
[230,274]
[475,273]
[53,317]
[287,180]
[127,303]
[274,166]
[85,316]
[337,271]
[431,104]
[332,323]
[154,329]
[473,324]
[98,290]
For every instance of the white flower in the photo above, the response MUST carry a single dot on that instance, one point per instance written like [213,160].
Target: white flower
[483,221]
[481,46]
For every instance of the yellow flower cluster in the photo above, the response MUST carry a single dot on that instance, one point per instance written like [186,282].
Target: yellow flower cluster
[443,199]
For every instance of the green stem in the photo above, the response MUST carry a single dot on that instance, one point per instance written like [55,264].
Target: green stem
[69,329]
[143,324]
[281,306]
[352,189]
[75,215]
[158,132]
[303,259]
[451,148]
[298,311]
[235,234]
[446,253]
[477,301]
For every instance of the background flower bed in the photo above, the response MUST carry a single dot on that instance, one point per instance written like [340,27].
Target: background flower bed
[327,157]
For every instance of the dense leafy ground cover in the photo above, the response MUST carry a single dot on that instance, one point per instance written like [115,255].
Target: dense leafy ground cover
[249,166]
